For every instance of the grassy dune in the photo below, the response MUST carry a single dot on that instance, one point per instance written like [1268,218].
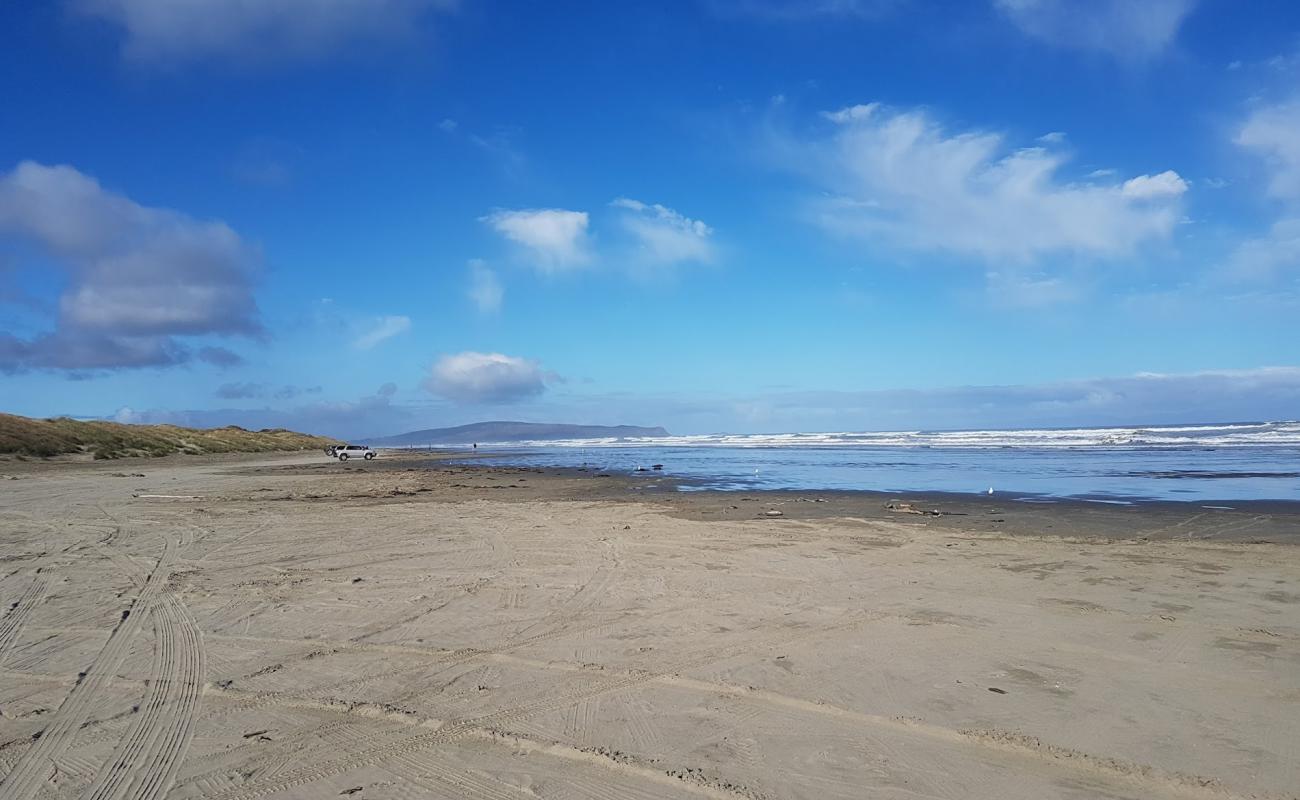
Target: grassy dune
[21,436]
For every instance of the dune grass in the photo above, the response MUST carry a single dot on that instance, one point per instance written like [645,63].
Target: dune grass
[61,436]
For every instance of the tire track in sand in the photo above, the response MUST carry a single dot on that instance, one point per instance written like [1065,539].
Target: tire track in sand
[12,624]
[37,765]
[453,730]
[146,760]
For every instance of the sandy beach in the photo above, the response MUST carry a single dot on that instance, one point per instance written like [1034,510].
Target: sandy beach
[275,627]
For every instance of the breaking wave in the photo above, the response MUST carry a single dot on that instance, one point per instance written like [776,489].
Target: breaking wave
[1244,434]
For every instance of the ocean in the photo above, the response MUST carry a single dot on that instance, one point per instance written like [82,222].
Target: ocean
[1198,463]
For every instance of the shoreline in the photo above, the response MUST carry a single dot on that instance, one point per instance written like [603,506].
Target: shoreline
[1262,521]
[443,476]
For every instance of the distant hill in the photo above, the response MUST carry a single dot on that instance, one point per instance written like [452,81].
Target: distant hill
[511,432]
[61,436]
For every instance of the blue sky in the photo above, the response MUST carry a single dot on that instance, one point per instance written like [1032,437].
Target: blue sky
[361,217]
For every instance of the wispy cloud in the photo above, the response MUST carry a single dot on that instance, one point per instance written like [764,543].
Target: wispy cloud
[371,415]
[384,328]
[485,289]
[1012,290]
[167,31]
[499,145]
[898,178]
[786,10]
[1125,29]
[501,149]
[662,236]
[265,162]
[554,239]
[1269,393]
[249,391]
[138,277]
[1272,132]
[220,357]
[1267,257]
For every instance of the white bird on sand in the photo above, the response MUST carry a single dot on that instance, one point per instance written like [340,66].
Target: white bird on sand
[990,490]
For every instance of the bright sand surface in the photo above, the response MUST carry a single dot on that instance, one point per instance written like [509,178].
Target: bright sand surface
[208,629]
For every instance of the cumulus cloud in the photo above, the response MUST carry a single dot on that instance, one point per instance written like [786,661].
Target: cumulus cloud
[1123,28]
[1273,132]
[662,235]
[1146,187]
[254,30]
[554,238]
[137,276]
[899,178]
[485,289]
[490,378]
[383,328]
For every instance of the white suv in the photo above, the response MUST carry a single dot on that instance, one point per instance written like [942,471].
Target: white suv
[346,451]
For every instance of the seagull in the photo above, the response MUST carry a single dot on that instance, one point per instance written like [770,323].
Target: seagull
[990,490]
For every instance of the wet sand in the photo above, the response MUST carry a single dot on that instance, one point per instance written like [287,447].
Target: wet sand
[296,627]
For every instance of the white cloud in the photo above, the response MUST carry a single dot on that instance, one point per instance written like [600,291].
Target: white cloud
[851,113]
[1146,187]
[485,378]
[384,328]
[1029,291]
[485,289]
[196,30]
[137,276]
[1274,133]
[662,235]
[1128,29]
[897,177]
[556,238]
[500,148]
[1266,257]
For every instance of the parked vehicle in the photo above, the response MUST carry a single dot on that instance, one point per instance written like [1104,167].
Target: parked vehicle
[345,451]
[330,450]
